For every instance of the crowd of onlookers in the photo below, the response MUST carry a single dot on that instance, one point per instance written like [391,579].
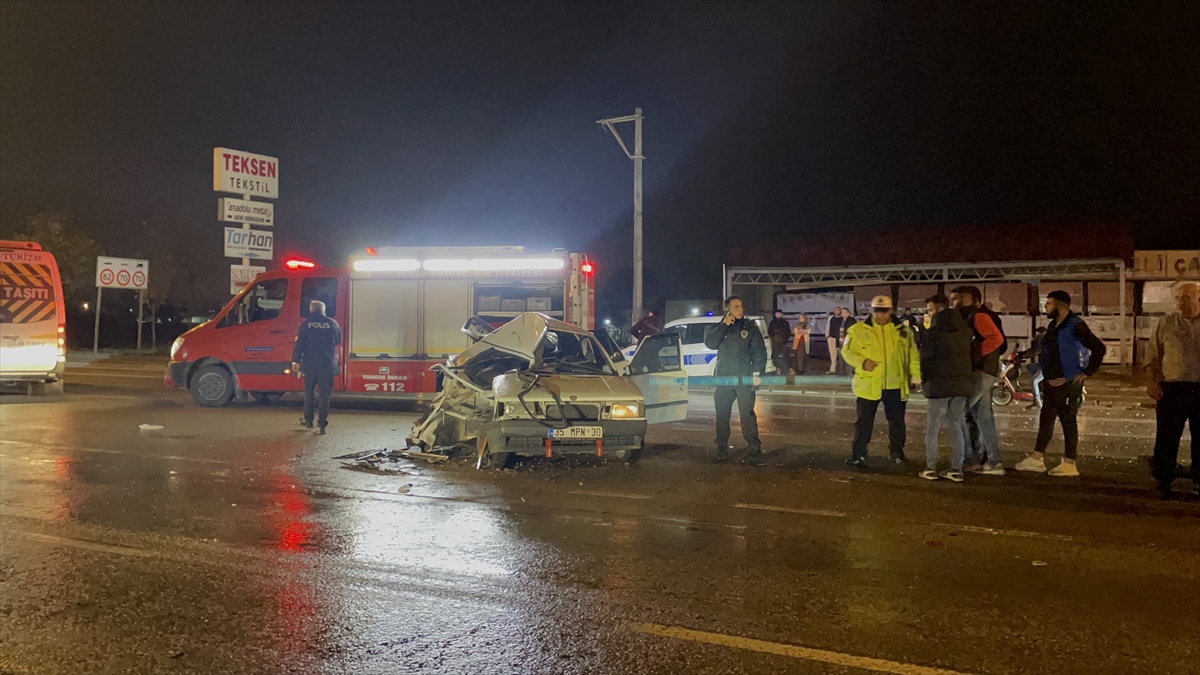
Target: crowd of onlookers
[954,356]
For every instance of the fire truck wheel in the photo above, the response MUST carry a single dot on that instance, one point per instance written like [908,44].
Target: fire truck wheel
[212,386]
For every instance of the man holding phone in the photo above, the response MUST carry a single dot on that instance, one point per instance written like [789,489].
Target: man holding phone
[741,357]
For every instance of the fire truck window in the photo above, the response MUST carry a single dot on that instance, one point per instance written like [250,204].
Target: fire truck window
[323,289]
[263,302]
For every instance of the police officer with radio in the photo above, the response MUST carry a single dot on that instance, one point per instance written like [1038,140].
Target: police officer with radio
[316,350]
[741,358]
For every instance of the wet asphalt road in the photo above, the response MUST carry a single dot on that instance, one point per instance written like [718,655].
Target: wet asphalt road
[231,542]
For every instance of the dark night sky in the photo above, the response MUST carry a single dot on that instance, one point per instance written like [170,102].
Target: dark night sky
[452,123]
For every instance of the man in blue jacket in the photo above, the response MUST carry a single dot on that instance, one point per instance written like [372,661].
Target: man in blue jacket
[741,357]
[1071,353]
[316,350]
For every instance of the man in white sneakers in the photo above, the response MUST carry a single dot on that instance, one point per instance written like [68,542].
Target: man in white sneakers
[1071,353]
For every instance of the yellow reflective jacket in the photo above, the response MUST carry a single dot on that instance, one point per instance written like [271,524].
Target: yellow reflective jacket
[894,352]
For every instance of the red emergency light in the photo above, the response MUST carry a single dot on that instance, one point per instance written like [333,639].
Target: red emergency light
[371,251]
[587,267]
[298,264]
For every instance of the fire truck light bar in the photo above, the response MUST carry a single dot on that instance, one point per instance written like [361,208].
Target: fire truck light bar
[492,264]
[387,265]
[458,264]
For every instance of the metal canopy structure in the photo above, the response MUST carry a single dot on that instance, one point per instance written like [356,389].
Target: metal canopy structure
[805,278]
[800,278]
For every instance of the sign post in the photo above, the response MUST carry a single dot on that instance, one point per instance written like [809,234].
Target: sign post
[249,175]
[96,328]
[127,273]
[241,276]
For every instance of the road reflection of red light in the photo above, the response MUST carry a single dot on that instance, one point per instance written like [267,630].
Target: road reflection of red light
[62,468]
[291,523]
[287,514]
[295,537]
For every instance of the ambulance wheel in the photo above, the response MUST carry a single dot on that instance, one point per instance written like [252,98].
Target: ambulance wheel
[212,386]
[1002,396]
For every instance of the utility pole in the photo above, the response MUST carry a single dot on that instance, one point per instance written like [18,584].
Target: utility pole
[637,158]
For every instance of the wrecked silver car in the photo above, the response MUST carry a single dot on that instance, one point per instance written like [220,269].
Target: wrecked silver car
[540,387]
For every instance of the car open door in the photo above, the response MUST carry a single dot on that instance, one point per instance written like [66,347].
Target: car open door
[657,369]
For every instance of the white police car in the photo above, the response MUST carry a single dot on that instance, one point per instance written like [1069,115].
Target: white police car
[699,360]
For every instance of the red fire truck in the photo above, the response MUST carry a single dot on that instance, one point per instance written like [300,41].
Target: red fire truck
[401,311]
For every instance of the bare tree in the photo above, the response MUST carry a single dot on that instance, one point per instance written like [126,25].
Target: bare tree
[73,248]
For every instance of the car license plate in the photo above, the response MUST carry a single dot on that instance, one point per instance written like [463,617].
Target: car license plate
[578,432]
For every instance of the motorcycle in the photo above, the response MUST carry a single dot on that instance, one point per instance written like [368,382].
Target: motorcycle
[1008,388]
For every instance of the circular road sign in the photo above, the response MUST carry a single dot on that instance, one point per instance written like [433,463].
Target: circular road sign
[123,277]
[106,277]
[139,278]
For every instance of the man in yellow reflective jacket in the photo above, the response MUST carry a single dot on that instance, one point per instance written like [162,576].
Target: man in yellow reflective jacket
[886,363]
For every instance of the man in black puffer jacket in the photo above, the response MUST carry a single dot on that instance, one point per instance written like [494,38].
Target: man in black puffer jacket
[741,356]
[946,373]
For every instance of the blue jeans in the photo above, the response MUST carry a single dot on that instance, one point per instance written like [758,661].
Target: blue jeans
[980,408]
[954,411]
[1038,376]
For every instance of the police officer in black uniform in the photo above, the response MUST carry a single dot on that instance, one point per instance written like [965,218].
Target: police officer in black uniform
[741,354]
[316,349]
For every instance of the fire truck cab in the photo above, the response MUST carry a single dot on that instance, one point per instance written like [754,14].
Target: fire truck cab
[401,311]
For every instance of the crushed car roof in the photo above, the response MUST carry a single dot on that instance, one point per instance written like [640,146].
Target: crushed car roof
[522,335]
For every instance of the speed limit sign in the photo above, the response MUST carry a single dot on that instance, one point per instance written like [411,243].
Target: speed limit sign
[122,273]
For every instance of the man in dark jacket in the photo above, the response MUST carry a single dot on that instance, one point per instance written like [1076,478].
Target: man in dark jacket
[741,357]
[1071,353]
[780,332]
[988,343]
[316,349]
[649,325]
[946,374]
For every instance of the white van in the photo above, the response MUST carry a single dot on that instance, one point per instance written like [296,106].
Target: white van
[699,360]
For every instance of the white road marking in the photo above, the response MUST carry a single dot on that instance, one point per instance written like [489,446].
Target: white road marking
[616,495]
[788,509]
[792,651]
[1010,533]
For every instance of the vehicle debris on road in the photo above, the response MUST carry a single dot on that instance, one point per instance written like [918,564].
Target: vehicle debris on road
[380,461]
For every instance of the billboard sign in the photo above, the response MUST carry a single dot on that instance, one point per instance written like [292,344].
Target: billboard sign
[240,276]
[1167,264]
[253,244]
[245,173]
[231,210]
[122,273]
